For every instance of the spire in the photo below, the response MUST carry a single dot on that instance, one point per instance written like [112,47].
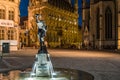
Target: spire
[83,3]
[30,3]
[76,5]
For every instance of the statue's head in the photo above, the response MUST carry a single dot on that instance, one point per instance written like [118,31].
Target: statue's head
[38,15]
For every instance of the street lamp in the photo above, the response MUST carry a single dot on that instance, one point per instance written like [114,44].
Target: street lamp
[1,56]
[27,32]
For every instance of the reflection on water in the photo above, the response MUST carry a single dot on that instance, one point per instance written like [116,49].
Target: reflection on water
[62,74]
[12,75]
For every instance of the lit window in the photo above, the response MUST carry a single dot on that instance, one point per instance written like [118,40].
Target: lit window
[11,15]
[11,34]
[2,14]
[2,33]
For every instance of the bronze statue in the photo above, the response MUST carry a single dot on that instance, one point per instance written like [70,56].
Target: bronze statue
[42,28]
[43,65]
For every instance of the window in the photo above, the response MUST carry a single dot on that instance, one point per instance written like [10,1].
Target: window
[2,14]
[108,23]
[98,24]
[11,34]
[2,32]
[11,15]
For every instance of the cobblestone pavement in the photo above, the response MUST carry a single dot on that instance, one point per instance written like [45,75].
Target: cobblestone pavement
[102,65]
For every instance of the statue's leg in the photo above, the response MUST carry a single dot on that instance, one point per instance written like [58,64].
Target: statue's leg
[39,38]
[42,41]
[42,36]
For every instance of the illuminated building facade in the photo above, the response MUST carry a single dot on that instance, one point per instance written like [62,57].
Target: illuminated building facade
[61,19]
[24,37]
[103,20]
[9,22]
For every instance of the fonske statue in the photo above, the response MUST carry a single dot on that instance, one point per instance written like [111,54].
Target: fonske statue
[42,65]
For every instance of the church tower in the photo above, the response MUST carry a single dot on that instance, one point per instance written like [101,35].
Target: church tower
[85,22]
[83,12]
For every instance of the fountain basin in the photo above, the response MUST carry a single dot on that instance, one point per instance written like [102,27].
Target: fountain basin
[59,74]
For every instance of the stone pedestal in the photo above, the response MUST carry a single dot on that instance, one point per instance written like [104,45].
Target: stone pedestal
[43,65]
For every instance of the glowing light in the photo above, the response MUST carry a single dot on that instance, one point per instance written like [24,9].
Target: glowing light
[29,79]
[32,74]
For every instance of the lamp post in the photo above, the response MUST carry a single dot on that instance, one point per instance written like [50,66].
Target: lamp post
[28,36]
[1,56]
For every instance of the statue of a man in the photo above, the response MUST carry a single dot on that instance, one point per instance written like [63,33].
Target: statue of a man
[42,28]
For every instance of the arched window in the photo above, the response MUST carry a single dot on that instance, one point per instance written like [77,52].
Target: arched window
[108,23]
[2,12]
[2,33]
[98,24]
[11,14]
[12,34]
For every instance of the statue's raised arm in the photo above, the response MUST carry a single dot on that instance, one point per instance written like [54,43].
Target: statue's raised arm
[41,29]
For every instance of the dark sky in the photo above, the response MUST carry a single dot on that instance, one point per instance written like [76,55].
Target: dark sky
[24,10]
[23,7]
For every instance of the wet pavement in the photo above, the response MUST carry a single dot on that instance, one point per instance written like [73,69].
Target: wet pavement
[102,65]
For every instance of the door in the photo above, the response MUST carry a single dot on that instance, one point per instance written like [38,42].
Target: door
[5,48]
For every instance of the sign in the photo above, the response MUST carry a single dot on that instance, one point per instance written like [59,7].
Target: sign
[6,23]
[12,42]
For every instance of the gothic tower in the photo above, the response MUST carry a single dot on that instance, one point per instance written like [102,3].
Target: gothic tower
[104,23]
[83,12]
[85,22]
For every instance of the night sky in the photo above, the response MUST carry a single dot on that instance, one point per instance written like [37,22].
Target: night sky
[24,10]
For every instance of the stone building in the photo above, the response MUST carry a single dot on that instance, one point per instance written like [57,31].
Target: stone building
[24,37]
[103,20]
[61,18]
[9,23]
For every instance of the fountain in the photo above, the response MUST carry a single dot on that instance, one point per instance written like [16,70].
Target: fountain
[42,68]
[43,65]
